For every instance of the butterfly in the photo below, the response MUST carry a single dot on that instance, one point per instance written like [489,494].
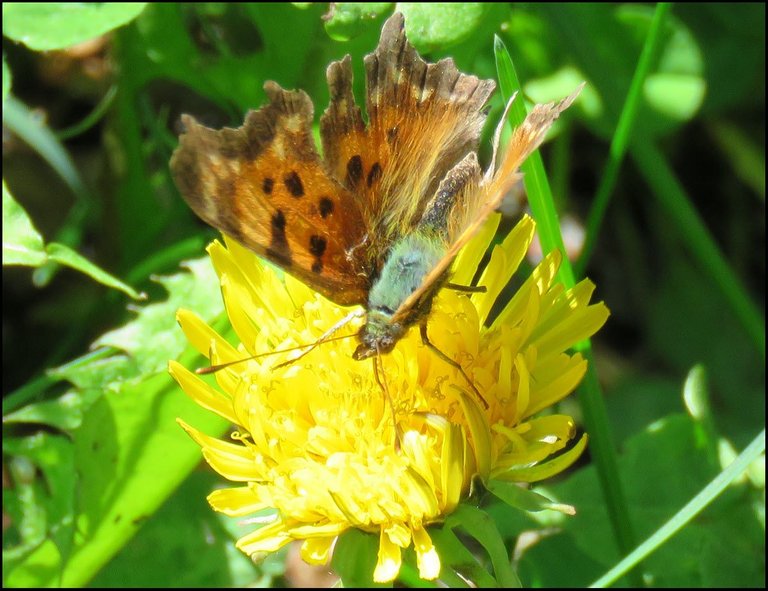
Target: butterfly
[379,217]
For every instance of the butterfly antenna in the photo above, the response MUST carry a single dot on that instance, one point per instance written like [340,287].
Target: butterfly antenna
[326,337]
[218,367]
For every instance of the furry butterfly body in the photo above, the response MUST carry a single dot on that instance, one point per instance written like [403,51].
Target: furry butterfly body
[378,219]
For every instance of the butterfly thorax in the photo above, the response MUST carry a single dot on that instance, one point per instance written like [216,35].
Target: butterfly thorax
[407,264]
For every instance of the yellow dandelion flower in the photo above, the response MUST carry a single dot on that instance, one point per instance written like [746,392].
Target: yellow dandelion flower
[315,440]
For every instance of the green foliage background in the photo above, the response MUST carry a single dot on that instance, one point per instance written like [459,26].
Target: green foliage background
[103,488]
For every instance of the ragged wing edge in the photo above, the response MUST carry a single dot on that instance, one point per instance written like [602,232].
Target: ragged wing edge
[525,139]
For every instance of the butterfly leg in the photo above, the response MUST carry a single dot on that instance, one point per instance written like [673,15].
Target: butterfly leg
[466,288]
[378,366]
[449,361]
[325,336]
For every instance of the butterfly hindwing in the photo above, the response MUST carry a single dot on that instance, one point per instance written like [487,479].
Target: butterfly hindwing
[482,197]
[265,185]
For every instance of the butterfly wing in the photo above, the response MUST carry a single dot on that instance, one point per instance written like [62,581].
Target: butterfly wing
[422,119]
[478,198]
[265,185]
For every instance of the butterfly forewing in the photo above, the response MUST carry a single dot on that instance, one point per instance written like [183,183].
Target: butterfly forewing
[379,219]
[264,185]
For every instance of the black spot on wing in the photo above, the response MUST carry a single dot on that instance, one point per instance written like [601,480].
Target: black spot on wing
[326,207]
[294,185]
[267,184]
[317,245]
[279,251]
[374,174]
[278,224]
[354,170]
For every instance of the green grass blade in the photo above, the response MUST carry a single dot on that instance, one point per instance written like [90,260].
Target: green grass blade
[672,196]
[91,118]
[621,137]
[536,183]
[687,513]
[22,121]
[590,394]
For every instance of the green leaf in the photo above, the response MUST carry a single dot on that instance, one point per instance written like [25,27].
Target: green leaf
[187,533]
[22,244]
[197,290]
[719,571]
[676,89]
[131,455]
[481,527]
[733,362]
[151,339]
[24,504]
[662,468]
[676,96]
[66,256]
[730,37]
[6,80]
[64,413]
[346,20]
[438,25]
[605,43]
[354,558]
[536,569]
[101,369]
[636,401]
[130,452]
[524,499]
[53,455]
[25,123]
[56,25]
[458,564]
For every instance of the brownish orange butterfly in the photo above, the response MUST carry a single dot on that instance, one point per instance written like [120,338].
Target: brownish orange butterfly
[378,219]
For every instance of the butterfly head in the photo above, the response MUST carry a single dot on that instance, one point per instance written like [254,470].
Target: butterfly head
[379,335]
